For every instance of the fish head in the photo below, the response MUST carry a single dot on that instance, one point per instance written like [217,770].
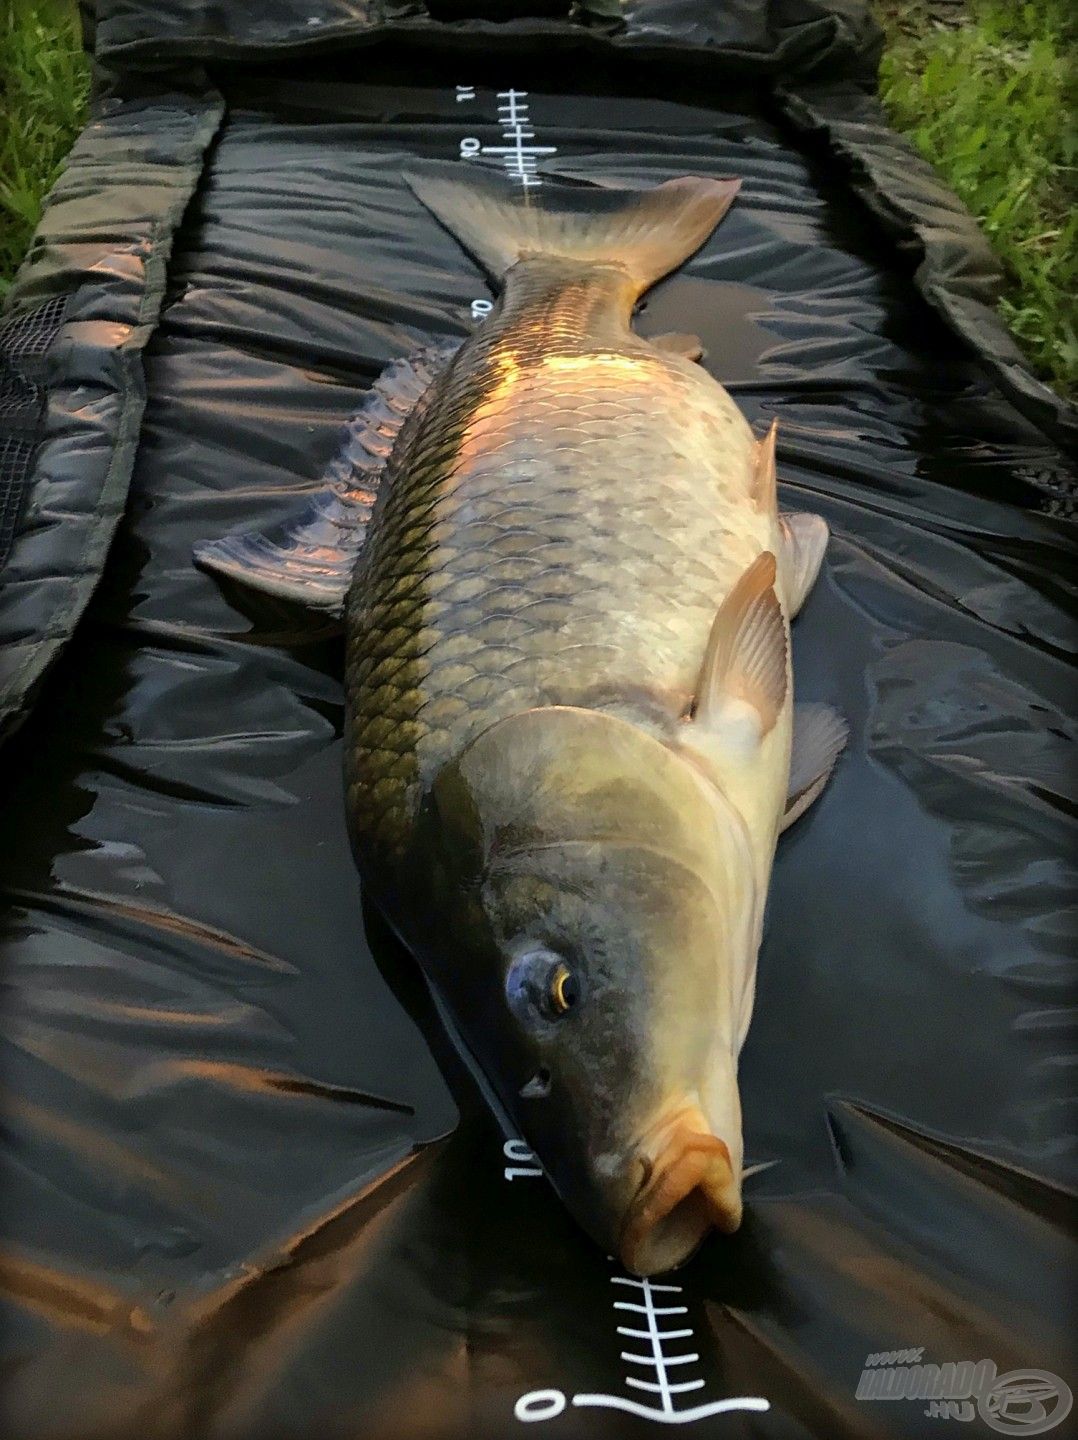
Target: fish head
[596,901]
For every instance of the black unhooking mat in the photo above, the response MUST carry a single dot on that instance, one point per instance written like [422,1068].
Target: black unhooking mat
[247,1190]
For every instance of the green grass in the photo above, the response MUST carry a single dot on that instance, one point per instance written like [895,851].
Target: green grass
[989,101]
[44,86]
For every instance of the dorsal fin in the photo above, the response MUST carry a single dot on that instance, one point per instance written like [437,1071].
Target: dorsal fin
[310,557]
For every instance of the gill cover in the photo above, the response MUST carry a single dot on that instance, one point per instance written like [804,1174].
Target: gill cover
[558,775]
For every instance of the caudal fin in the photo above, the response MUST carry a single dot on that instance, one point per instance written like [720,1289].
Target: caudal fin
[649,232]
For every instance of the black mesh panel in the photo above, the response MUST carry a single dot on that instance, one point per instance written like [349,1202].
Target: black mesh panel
[24,339]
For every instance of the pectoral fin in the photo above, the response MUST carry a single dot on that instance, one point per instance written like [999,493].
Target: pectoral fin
[744,664]
[310,557]
[765,481]
[804,542]
[819,736]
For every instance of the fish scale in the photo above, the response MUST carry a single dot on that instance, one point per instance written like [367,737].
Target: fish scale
[546,530]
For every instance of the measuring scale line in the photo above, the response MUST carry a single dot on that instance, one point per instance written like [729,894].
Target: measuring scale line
[547,1404]
[514,149]
[666,1359]
[671,1416]
[651,1310]
[664,1388]
[665,1408]
[519,154]
[653,1334]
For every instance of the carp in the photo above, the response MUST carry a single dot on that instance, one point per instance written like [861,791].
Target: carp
[571,742]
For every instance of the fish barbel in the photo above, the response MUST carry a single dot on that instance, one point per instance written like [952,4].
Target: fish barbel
[567,594]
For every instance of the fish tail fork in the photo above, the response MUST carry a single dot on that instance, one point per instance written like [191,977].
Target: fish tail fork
[646,232]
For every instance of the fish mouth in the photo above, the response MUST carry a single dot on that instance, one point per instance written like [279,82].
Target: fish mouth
[686,1191]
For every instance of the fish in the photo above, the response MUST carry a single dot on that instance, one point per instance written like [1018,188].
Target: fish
[571,741]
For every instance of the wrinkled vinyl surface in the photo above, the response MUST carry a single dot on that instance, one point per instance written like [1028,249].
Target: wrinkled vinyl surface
[247,1191]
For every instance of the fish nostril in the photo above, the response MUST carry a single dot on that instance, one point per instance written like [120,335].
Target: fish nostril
[538,1087]
[644,1167]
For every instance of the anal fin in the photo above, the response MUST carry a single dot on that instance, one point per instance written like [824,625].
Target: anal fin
[310,557]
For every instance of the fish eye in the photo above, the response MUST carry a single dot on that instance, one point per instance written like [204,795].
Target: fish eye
[563,992]
[540,980]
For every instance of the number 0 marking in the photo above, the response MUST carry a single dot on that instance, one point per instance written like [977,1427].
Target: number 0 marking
[539,1405]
